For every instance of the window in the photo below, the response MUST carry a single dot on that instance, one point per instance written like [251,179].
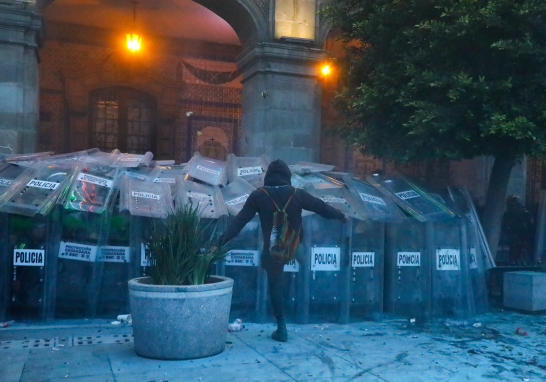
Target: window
[124,119]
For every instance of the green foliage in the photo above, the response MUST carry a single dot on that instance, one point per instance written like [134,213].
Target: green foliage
[448,79]
[180,248]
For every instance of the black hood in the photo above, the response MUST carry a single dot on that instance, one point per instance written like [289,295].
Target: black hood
[278,174]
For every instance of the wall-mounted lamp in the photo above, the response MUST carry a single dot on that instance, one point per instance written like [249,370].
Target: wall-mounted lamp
[326,70]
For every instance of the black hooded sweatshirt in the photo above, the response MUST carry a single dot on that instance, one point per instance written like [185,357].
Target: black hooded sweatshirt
[277,182]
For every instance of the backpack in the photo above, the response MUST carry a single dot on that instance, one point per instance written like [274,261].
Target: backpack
[284,239]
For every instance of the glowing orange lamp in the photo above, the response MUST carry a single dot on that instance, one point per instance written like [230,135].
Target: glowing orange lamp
[134,39]
[326,70]
[133,42]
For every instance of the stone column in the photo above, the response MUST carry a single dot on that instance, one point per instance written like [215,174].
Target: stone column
[281,101]
[20,35]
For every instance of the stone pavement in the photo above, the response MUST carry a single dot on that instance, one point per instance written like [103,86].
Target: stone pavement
[391,350]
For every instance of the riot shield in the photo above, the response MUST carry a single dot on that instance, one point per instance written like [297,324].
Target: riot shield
[374,204]
[412,198]
[27,242]
[235,195]
[323,291]
[93,187]
[8,173]
[145,198]
[367,249]
[250,169]
[208,198]
[211,171]
[37,189]
[339,198]
[451,283]
[318,181]
[408,269]
[305,168]
[132,160]
[242,264]
[479,256]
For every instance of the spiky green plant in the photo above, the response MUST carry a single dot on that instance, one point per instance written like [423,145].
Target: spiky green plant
[181,248]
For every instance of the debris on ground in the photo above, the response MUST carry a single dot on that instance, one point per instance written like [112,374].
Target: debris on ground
[125,318]
[521,332]
[236,326]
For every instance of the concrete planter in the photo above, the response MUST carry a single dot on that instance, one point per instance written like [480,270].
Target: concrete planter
[180,322]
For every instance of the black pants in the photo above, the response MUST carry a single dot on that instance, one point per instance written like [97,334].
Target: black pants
[275,279]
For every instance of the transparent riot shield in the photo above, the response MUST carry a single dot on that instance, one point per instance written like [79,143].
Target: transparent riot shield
[173,176]
[339,198]
[408,257]
[250,169]
[93,187]
[367,250]
[330,261]
[37,189]
[465,206]
[479,257]
[479,293]
[140,173]
[84,250]
[243,259]
[28,254]
[8,173]
[540,237]
[144,200]
[168,174]
[451,284]
[305,168]
[323,292]
[242,264]
[318,181]
[114,255]
[79,274]
[141,198]
[5,269]
[211,171]
[235,195]
[132,160]
[293,277]
[412,198]
[374,204]
[208,198]
[25,160]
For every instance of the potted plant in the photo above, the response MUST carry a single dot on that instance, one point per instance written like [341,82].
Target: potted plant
[180,311]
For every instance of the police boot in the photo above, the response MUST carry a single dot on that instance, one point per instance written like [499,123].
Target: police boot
[280,334]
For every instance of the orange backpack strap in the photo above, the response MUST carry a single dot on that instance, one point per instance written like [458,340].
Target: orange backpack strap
[276,206]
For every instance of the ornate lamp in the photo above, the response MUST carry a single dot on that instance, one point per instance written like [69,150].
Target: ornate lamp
[134,39]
